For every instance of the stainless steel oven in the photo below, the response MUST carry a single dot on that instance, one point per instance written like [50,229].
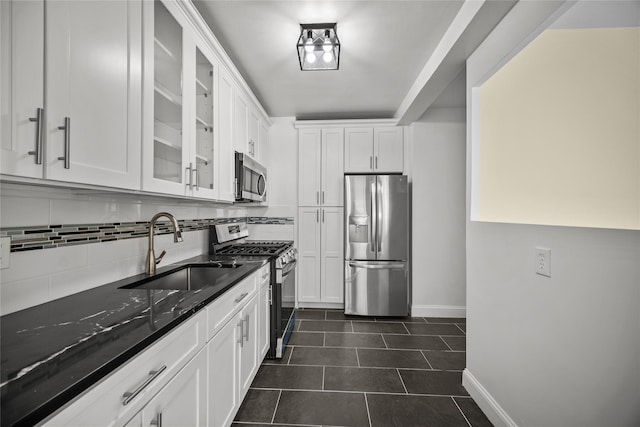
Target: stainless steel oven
[283,315]
[228,241]
[250,180]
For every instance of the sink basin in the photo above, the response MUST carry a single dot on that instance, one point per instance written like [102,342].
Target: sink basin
[189,277]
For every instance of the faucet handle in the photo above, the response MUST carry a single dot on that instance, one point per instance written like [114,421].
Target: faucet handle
[162,254]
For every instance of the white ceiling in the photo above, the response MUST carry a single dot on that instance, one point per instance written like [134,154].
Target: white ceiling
[386,46]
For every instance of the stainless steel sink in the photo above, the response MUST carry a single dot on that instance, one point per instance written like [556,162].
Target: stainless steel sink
[190,277]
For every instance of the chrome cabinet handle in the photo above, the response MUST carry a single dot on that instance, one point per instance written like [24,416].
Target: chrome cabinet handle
[323,215]
[195,172]
[245,332]
[157,421]
[240,325]
[376,162]
[189,176]
[317,197]
[130,395]
[39,129]
[241,297]
[370,162]
[323,197]
[67,142]
[317,215]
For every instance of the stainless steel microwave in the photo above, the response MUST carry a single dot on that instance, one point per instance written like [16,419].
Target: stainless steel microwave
[251,179]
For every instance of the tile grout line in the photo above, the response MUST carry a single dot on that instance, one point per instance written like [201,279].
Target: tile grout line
[461,411]
[425,358]
[406,329]
[273,417]
[446,343]
[323,370]
[464,332]
[357,357]
[366,402]
[385,342]
[402,381]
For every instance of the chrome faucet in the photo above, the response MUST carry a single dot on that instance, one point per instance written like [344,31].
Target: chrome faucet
[177,237]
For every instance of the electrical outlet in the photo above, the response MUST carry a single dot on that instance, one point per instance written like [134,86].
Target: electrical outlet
[5,249]
[543,262]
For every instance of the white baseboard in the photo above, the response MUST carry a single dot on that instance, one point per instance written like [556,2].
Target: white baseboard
[486,402]
[438,311]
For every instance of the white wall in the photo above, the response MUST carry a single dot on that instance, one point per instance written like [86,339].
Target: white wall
[437,146]
[559,351]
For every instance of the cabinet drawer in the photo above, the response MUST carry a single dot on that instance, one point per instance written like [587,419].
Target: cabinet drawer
[264,276]
[103,404]
[225,306]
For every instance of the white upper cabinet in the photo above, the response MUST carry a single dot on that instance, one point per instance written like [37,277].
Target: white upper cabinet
[90,124]
[388,149]
[92,88]
[248,133]
[22,87]
[374,150]
[309,166]
[226,159]
[320,157]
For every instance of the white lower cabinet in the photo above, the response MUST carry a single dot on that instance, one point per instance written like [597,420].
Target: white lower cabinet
[321,255]
[182,402]
[224,397]
[183,380]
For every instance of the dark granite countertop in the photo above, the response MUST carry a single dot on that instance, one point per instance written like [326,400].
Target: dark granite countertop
[52,352]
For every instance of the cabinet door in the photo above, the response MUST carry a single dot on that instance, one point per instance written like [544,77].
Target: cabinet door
[93,91]
[332,272]
[240,111]
[183,401]
[204,182]
[358,150]
[22,86]
[253,133]
[389,150]
[165,143]
[249,345]
[332,167]
[308,255]
[309,160]
[226,159]
[223,358]
[263,143]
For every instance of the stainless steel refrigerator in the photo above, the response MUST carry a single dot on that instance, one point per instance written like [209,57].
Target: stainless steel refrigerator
[376,267]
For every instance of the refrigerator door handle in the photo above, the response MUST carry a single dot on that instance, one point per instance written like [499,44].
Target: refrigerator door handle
[379,217]
[377,266]
[373,244]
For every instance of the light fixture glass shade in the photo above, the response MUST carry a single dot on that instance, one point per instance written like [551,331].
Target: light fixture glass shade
[318,41]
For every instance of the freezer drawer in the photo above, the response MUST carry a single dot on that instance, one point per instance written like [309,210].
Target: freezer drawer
[376,288]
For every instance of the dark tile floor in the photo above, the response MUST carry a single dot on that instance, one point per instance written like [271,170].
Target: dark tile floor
[362,371]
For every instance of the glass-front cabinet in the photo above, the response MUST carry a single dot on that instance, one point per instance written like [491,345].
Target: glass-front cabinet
[204,124]
[180,134]
[167,97]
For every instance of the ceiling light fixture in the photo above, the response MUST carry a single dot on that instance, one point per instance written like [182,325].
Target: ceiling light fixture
[318,41]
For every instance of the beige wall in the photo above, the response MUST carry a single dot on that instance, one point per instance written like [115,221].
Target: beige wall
[560,135]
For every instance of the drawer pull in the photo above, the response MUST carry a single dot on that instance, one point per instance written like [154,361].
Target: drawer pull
[241,297]
[130,395]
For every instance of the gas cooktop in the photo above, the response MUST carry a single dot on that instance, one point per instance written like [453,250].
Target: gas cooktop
[256,247]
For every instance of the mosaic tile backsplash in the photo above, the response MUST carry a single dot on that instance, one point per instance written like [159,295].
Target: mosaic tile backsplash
[55,236]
